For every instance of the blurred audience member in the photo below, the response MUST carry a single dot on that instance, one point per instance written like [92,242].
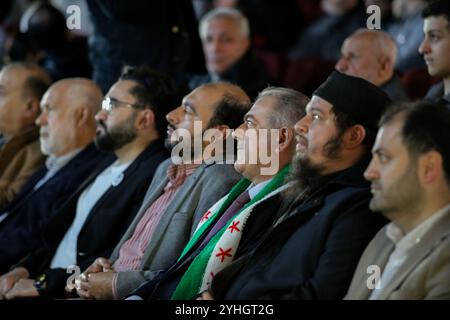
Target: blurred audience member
[324,37]
[407,33]
[371,55]
[21,88]
[225,35]
[435,47]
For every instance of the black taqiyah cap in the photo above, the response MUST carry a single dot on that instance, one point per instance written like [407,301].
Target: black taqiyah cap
[361,100]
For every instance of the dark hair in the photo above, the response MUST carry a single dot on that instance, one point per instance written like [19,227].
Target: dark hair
[343,122]
[437,8]
[228,111]
[426,127]
[153,90]
[37,82]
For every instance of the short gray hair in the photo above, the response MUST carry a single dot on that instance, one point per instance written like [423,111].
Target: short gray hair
[229,13]
[289,108]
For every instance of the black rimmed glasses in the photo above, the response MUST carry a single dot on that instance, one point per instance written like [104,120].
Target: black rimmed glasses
[109,104]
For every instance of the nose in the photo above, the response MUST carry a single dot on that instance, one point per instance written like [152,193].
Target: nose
[424,47]
[341,65]
[238,133]
[172,116]
[41,120]
[302,126]
[101,115]
[371,173]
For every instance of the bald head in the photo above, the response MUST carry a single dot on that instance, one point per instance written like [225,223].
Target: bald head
[67,120]
[368,54]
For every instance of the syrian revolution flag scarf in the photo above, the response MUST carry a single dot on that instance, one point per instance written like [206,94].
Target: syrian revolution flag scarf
[220,250]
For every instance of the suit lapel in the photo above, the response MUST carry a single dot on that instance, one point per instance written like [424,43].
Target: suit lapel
[428,242]
[173,208]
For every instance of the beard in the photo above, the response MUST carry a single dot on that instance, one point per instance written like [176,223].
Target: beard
[115,138]
[304,174]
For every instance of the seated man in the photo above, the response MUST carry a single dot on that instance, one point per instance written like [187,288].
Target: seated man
[410,176]
[313,249]
[130,124]
[21,89]
[234,225]
[323,38]
[179,194]
[407,33]
[371,55]
[436,46]
[225,36]
[67,129]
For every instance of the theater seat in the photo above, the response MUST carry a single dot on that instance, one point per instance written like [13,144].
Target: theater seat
[275,64]
[306,74]
[417,82]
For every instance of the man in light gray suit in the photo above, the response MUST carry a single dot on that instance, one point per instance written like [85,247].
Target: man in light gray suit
[410,175]
[177,196]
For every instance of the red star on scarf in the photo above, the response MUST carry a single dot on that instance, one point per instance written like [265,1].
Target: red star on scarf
[222,254]
[205,216]
[234,226]
[212,276]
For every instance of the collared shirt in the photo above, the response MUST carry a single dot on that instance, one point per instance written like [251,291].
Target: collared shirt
[132,250]
[66,254]
[404,245]
[54,164]
[254,189]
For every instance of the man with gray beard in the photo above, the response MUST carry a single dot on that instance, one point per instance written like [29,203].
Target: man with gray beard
[131,125]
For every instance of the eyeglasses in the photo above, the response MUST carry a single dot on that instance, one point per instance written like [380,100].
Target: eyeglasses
[109,104]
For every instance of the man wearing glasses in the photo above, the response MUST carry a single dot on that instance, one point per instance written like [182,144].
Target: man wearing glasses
[131,125]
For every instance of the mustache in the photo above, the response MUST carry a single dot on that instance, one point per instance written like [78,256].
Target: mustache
[101,123]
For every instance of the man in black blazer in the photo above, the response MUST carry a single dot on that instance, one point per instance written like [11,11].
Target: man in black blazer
[131,124]
[68,142]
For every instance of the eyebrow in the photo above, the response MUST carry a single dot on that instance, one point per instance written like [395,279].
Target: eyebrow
[315,109]
[189,105]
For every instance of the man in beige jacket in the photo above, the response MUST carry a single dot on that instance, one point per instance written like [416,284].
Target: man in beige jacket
[410,175]
[21,88]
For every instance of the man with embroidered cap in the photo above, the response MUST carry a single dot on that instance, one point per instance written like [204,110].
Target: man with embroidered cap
[313,249]
[409,259]
[233,226]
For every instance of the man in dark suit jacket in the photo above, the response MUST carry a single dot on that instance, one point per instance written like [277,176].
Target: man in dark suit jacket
[313,249]
[72,157]
[90,224]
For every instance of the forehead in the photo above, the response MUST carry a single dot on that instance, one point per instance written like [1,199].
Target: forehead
[203,98]
[436,23]
[12,77]
[318,104]
[121,89]
[222,25]
[262,108]
[389,136]
[357,42]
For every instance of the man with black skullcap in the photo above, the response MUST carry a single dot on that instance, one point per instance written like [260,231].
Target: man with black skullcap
[314,247]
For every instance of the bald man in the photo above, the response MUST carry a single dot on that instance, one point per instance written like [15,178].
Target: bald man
[67,130]
[371,55]
[21,88]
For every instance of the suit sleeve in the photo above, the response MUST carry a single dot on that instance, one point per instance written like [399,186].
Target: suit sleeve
[348,237]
